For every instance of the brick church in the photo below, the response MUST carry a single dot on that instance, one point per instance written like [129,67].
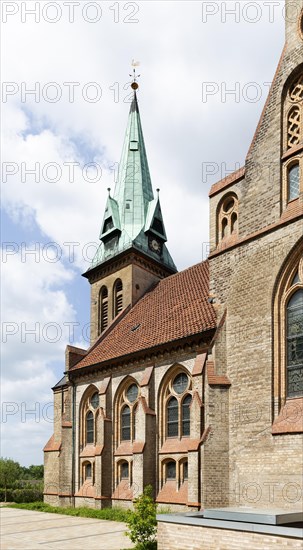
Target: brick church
[193,381]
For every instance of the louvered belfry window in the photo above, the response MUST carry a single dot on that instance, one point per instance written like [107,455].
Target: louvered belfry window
[103,308]
[118,297]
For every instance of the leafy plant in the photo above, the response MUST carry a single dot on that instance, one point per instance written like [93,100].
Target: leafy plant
[142,521]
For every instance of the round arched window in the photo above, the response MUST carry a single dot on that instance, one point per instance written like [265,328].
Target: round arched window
[95,400]
[180,383]
[132,393]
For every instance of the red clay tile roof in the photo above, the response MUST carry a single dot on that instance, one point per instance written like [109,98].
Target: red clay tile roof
[176,308]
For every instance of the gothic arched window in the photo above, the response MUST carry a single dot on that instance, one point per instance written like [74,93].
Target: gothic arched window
[178,406]
[126,408]
[103,309]
[227,218]
[288,331]
[118,297]
[88,414]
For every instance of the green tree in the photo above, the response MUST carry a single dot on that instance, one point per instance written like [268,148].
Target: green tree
[142,521]
[9,473]
[32,472]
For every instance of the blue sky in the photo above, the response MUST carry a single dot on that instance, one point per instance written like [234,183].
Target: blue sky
[189,61]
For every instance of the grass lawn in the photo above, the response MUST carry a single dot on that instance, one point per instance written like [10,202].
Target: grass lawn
[113,514]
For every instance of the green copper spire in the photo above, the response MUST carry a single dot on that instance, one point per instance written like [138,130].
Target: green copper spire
[133,217]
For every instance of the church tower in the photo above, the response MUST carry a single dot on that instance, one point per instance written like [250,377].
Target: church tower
[132,255]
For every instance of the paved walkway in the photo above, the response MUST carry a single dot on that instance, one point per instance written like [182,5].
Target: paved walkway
[29,530]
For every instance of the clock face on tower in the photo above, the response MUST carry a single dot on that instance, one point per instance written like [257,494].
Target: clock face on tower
[155,245]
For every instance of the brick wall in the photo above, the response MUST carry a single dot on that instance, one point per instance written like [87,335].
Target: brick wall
[188,537]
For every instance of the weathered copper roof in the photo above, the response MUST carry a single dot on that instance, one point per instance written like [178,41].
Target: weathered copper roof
[131,213]
[176,308]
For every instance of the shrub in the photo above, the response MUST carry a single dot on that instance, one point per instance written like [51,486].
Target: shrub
[27,494]
[142,521]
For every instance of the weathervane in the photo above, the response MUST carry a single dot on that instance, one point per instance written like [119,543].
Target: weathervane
[134,83]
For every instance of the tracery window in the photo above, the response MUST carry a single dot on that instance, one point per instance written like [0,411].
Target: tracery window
[227,217]
[178,400]
[103,309]
[292,159]
[118,297]
[126,411]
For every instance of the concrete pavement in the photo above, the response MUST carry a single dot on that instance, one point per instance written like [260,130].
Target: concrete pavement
[31,530]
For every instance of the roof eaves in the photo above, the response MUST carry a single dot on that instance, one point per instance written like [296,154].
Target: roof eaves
[143,351]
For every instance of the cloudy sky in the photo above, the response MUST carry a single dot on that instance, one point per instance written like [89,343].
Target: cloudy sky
[205,72]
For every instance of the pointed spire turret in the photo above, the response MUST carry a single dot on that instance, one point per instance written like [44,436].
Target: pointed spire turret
[133,217]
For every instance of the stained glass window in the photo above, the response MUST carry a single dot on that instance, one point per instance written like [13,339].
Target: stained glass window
[186,415]
[172,417]
[89,427]
[295,344]
[171,470]
[125,423]
[293,182]
[180,383]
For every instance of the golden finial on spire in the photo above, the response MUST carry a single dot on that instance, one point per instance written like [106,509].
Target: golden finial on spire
[134,83]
